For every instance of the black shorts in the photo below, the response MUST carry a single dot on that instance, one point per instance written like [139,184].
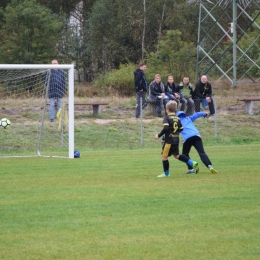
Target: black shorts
[170,149]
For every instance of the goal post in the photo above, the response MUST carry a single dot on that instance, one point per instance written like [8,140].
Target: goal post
[24,100]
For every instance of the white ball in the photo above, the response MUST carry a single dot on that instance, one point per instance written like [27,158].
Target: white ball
[5,122]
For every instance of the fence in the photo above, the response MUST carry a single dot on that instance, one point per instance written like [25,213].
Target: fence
[228,124]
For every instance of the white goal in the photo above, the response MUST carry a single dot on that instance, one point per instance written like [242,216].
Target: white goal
[25,101]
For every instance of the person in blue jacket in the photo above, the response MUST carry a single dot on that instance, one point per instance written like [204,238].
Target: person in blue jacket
[191,137]
[56,82]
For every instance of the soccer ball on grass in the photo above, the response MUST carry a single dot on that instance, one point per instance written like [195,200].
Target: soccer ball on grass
[5,123]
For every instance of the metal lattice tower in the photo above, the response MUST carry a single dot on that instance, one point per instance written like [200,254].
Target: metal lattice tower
[229,40]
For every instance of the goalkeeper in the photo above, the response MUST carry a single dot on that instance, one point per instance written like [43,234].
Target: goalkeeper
[191,137]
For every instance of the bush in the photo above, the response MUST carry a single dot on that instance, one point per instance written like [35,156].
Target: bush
[119,81]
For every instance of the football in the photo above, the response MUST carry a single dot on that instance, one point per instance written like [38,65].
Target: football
[5,123]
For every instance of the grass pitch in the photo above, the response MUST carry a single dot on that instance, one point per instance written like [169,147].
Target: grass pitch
[109,204]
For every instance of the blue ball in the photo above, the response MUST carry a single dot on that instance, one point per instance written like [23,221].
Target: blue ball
[76,154]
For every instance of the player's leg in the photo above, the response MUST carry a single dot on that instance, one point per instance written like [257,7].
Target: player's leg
[186,151]
[184,158]
[198,145]
[165,162]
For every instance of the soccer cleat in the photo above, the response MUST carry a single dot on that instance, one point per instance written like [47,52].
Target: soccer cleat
[163,175]
[195,166]
[212,170]
[191,171]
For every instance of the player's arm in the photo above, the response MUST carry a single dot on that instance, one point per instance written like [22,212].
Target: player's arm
[197,115]
[164,130]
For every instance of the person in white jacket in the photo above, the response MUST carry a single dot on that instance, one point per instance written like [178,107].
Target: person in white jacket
[191,137]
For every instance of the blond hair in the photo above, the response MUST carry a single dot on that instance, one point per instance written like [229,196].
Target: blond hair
[171,106]
[157,75]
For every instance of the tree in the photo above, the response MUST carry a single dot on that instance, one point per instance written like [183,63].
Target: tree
[29,33]
[60,6]
[4,3]
[174,56]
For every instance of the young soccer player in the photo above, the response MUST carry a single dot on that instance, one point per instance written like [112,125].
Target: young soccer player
[171,129]
[191,137]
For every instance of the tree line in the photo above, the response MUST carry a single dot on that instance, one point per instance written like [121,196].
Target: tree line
[101,36]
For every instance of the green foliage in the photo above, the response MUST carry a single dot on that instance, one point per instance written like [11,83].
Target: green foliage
[72,47]
[4,3]
[29,33]
[174,56]
[121,80]
[102,33]
[60,6]
[253,52]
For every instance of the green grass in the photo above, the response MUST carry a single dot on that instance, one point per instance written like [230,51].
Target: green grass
[109,204]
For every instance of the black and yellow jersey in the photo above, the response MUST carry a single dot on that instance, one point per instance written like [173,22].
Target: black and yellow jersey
[171,128]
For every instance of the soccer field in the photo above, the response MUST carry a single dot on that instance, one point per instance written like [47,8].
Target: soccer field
[109,204]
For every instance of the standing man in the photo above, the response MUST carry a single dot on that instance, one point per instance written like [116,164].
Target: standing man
[55,78]
[186,90]
[203,90]
[140,88]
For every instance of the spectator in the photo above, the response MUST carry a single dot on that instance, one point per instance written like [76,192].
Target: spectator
[140,88]
[170,90]
[203,90]
[186,91]
[56,83]
[157,93]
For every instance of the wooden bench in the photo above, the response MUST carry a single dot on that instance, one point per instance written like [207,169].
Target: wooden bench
[249,104]
[95,106]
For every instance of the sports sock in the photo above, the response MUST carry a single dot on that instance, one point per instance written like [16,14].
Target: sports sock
[190,162]
[166,167]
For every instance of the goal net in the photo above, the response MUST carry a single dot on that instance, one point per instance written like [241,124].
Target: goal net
[27,93]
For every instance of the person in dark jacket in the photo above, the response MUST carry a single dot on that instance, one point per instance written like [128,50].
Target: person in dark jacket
[203,90]
[172,91]
[157,94]
[140,88]
[56,83]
